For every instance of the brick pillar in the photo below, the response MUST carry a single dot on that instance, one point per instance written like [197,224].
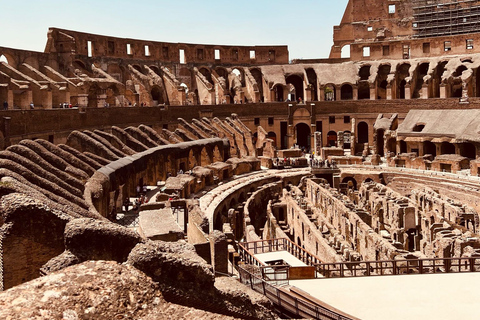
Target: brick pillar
[219,251]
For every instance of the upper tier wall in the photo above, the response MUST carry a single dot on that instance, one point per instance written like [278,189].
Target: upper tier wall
[86,44]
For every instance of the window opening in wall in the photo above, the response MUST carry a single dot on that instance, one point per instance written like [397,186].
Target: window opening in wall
[217,54]
[256,121]
[366,51]
[391,8]
[147,51]
[346,119]
[447,45]
[345,51]
[252,54]
[426,47]
[89,49]
[386,50]
[469,44]
[129,49]
[414,24]
[369,28]
[200,54]
[331,119]
[270,121]
[406,51]
[182,56]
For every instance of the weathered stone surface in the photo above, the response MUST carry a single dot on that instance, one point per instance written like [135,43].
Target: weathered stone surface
[91,239]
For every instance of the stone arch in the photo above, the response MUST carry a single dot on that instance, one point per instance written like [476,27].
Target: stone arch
[362,129]
[345,51]
[330,92]
[382,80]
[447,148]
[332,138]
[468,150]
[303,135]
[421,72]
[313,82]
[206,73]
[8,58]
[437,79]
[258,76]
[137,67]
[429,148]
[272,135]
[363,90]
[297,82]
[240,73]
[157,95]
[278,91]
[364,72]
[346,92]
[402,73]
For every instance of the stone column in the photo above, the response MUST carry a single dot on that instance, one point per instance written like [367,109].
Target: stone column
[317,142]
[355,93]
[82,101]
[340,139]
[389,92]
[443,90]
[219,251]
[408,91]
[373,93]
[424,91]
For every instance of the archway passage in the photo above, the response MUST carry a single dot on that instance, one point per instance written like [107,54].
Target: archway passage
[468,150]
[362,129]
[332,138]
[447,148]
[303,135]
[312,80]
[429,148]
[346,92]
[278,90]
[157,96]
[297,82]
[351,182]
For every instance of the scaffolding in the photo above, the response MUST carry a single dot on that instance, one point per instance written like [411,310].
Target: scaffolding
[434,18]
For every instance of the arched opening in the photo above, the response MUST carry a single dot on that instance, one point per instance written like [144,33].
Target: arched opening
[239,74]
[382,76]
[437,79]
[402,73]
[364,73]
[330,93]
[303,135]
[206,73]
[331,138]
[421,72]
[297,82]
[312,81]
[380,142]
[273,136]
[362,129]
[447,148]
[468,150]
[257,75]
[351,182]
[363,90]
[346,92]
[278,90]
[345,51]
[429,148]
[403,146]
[137,67]
[3,59]
[157,96]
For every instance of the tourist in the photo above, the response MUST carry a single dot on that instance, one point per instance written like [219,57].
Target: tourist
[5,105]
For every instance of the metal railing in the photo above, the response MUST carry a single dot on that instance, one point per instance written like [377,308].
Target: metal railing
[247,251]
[397,267]
[286,301]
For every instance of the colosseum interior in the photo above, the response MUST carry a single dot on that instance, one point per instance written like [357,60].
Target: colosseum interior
[153,180]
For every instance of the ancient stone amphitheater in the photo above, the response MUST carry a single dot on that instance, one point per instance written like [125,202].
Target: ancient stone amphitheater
[140,179]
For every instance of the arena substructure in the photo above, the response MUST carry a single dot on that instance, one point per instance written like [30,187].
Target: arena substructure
[195,206]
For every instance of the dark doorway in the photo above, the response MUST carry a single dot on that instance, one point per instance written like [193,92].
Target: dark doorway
[362,132]
[303,135]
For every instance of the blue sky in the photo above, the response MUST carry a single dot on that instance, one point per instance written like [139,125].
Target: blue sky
[306,26]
